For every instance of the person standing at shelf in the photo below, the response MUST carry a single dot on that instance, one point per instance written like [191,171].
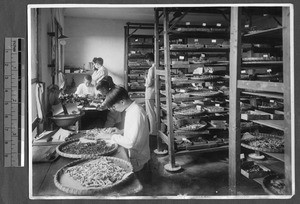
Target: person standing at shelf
[99,70]
[114,118]
[86,89]
[150,93]
[135,137]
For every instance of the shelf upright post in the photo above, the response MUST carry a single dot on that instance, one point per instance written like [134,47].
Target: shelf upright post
[126,56]
[159,149]
[234,97]
[287,99]
[171,166]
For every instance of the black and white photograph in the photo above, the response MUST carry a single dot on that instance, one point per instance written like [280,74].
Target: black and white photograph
[153,101]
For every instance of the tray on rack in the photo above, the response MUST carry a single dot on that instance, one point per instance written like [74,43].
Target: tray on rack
[207,77]
[187,144]
[252,170]
[269,108]
[205,93]
[215,109]
[190,111]
[274,184]
[193,127]
[74,149]
[88,177]
[264,143]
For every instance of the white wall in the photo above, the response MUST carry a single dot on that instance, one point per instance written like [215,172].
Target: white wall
[89,38]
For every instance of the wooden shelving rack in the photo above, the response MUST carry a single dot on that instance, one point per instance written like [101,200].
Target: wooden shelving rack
[165,72]
[131,30]
[265,89]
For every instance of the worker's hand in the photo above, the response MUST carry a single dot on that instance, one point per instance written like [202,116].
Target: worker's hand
[115,130]
[103,136]
[100,108]
[85,140]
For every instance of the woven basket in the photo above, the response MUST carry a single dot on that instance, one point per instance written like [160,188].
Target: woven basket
[72,188]
[267,186]
[83,156]
[261,135]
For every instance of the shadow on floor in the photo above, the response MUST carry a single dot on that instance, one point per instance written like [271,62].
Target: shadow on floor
[201,175]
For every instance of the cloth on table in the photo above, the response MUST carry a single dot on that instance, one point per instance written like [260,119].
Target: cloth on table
[39,100]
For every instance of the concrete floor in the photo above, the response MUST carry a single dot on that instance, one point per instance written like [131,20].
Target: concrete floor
[201,175]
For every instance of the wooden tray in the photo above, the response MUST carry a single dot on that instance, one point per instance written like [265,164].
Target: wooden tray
[205,93]
[207,77]
[253,115]
[195,112]
[66,183]
[257,174]
[221,109]
[246,145]
[189,127]
[267,186]
[83,156]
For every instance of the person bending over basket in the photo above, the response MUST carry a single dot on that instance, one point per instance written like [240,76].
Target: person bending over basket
[135,137]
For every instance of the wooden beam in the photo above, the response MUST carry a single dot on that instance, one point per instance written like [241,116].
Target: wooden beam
[126,30]
[261,86]
[34,80]
[35,123]
[234,104]
[168,87]
[156,77]
[288,142]
[178,20]
[265,94]
[163,136]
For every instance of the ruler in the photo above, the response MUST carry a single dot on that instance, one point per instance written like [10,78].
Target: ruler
[14,102]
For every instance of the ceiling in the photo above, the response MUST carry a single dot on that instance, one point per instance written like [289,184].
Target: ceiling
[127,14]
[137,14]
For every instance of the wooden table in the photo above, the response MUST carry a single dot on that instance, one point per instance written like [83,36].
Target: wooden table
[43,179]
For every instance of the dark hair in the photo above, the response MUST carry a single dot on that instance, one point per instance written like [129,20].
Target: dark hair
[150,56]
[106,82]
[88,77]
[98,60]
[115,95]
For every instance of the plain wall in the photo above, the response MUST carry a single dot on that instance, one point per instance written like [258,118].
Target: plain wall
[89,38]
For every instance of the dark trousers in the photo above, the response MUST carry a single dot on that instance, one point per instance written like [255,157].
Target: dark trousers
[145,174]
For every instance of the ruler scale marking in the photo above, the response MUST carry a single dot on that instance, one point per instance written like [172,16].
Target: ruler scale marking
[14,102]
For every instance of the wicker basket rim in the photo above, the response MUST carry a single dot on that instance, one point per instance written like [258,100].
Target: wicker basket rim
[202,123]
[89,191]
[266,181]
[82,156]
[262,149]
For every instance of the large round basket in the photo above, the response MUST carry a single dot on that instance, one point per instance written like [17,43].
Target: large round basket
[245,143]
[267,184]
[113,149]
[67,184]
